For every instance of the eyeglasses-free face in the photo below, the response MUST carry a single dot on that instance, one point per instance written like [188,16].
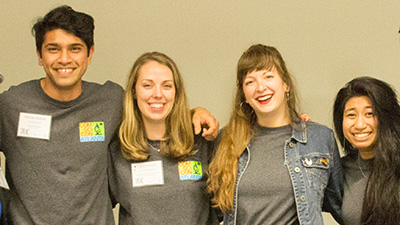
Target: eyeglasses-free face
[265,92]
[155,92]
[65,59]
[360,125]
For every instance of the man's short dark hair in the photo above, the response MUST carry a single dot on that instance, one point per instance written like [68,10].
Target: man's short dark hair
[64,17]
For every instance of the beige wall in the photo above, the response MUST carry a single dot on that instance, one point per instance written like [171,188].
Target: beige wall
[324,43]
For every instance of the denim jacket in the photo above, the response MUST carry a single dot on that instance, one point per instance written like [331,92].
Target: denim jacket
[312,158]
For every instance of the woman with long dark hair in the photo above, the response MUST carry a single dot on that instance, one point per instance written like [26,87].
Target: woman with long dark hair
[367,123]
[271,167]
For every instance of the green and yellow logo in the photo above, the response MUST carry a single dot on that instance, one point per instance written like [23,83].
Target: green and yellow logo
[190,170]
[91,131]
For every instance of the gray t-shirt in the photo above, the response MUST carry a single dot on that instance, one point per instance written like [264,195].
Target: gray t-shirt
[182,199]
[265,194]
[63,179]
[356,173]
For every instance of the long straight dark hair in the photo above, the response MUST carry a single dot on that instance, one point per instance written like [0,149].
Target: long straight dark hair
[381,199]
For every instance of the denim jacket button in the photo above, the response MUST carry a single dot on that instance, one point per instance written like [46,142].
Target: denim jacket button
[297,169]
[303,198]
[291,144]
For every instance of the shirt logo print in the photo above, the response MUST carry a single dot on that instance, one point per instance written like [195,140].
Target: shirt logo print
[91,131]
[190,170]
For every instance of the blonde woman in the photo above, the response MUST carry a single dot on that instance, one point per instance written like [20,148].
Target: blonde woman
[271,167]
[159,176]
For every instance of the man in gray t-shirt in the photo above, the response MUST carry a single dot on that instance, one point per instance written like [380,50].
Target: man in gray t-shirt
[56,131]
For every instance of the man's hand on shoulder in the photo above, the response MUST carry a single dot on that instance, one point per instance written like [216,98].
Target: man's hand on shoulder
[203,121]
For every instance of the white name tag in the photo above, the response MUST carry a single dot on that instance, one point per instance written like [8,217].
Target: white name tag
[3,181]
[34,126]
[147,174]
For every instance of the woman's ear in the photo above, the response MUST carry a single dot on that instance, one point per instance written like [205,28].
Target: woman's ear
[287,88]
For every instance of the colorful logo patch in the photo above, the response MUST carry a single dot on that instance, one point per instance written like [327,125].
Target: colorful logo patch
[91,131]
[190,170]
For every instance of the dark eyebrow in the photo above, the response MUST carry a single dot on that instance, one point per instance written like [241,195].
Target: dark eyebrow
[56,45]
[346,110]
[51,45]
[368,107]
[76,44]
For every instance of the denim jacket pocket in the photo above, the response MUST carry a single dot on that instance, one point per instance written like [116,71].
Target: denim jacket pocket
[316,167]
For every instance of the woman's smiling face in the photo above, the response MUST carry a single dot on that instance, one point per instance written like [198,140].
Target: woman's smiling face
[360,125]
[265,92]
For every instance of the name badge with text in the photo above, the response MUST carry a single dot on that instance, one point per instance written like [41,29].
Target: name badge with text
[147,174]
[34,126]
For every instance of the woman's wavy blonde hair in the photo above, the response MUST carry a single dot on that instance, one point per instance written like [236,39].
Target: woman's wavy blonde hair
[240,129]
[179,139]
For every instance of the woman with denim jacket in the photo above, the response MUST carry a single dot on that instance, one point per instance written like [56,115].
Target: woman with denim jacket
[271,167]
[367,123]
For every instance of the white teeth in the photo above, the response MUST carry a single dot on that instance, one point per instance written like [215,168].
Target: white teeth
[361,135]
[64,70]
[264,98]
[157,105]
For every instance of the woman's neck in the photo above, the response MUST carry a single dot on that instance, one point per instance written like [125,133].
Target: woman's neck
[155,131]
[367,153]
[275,120]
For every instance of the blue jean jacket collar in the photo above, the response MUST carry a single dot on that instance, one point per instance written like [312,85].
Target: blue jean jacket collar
[299,132]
